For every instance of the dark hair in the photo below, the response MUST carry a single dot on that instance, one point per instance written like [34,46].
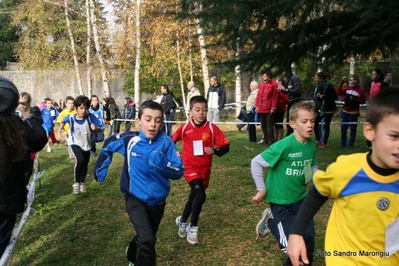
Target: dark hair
[197,99]
[69,98]
[379,73]
[166,87]
[128,101]
[149,105]
[356,78]
[308,106]
[113,102]
[384,103]
[281,79]
[81,99]
[321,75]
[47,99]
[94,96]
[267,71]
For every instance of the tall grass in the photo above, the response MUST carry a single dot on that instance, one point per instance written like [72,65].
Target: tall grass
[94,229]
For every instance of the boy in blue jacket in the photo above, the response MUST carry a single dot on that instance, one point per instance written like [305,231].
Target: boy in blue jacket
[151,159]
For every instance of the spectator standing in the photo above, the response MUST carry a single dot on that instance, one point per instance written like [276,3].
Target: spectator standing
[387,80]
[324,96]
[354,95]
[377,78]
[107,114]
[129,113]
[34,134]
[266,105]
[192,91]
[115,115]
[216,97]
[281,109]
[294,92]
[169,109]
[12,149]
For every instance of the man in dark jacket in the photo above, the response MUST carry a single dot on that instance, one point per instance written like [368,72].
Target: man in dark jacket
[294,91]
[216,97]
[169,108]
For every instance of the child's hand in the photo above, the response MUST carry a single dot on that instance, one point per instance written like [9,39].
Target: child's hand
[258,198]
[296,249]
[208,150]
[93,127]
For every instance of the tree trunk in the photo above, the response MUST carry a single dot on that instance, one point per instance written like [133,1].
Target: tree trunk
[138,54]
[352,68]
[103,67]
[75,57]
[201,39]
[88,51]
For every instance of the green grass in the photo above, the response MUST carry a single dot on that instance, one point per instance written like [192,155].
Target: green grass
[94,229]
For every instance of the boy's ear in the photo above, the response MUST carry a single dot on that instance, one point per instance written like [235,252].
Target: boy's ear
[369,131]
[292,124]
[137,122]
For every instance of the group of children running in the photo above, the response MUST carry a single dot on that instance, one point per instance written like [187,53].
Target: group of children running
[364,186]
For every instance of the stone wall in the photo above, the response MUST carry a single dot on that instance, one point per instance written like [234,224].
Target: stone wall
[58,84]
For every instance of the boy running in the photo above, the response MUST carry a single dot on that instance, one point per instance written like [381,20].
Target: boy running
[69,110]
[363,224]
[81,126]
[49,115]
[151,159]
[286,180]
[199,137]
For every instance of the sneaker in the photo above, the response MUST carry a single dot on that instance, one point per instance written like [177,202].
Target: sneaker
[192,234]
[83,188]
[262,228]
[93,154]
[322,145]
[76,188]
[182,228]
[48,149]
[261,141]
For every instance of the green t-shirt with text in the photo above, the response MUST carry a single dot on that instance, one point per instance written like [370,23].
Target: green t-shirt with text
[285,182]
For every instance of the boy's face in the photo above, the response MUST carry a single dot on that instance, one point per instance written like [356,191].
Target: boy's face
[49,104]
[303,125]
[198,112]
[94,101]
[81,111]
[70,105]
[150,122]
[385,141]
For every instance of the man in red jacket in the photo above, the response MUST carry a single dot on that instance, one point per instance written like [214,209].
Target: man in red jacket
[266,105]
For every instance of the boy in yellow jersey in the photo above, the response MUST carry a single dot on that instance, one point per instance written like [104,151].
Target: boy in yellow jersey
[69,110]
[364,220]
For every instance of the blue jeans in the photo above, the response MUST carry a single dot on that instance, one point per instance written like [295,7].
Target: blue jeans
[167,127]
[344,128]
[283,218]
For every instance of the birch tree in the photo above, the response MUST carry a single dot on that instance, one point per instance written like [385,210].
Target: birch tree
[103,66]
[74,54]
[138,54]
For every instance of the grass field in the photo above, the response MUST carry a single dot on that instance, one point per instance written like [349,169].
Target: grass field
[94,229]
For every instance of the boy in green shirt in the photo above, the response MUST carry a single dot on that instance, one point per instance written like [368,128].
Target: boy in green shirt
[291,162]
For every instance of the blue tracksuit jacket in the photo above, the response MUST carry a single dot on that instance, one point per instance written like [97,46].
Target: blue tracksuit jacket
[148,165]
